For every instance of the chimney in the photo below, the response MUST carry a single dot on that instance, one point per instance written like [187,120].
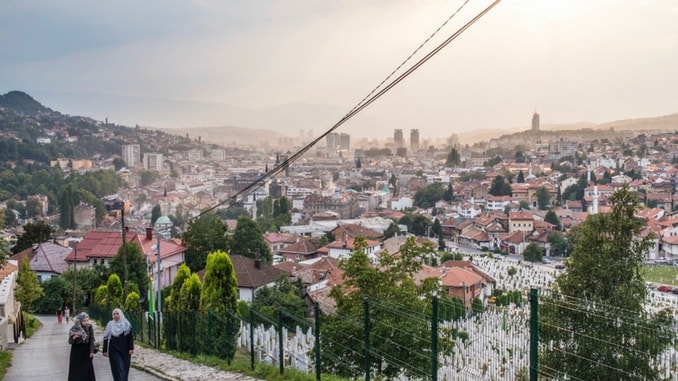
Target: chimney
[149,233]
[257,263]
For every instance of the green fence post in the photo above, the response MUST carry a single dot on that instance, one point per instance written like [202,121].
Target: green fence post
[366,308]
[316,309]
[251,338]
[534,334]
[434,338]
[281,353]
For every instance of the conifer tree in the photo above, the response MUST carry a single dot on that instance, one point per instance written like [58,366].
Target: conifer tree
[596,324]
[28,288]
[220,296]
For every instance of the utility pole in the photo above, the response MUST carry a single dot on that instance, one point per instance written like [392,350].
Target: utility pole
[159,284]
[75,262]
[124,251]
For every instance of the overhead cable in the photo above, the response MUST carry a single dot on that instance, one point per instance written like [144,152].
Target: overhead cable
[246,191]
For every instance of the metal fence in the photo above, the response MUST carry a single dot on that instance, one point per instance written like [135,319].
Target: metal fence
[388,341]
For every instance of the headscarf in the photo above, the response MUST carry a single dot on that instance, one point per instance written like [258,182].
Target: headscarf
[117,327]
[77,329]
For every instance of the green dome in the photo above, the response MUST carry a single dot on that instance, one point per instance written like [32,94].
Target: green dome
[163,220]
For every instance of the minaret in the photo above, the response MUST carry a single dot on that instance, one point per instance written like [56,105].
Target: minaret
[594,207]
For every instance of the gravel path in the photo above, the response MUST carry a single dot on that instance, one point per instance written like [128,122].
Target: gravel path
[168,367]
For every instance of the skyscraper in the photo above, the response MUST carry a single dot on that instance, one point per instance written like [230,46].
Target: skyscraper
[332,141]
[414,140]
[344,141]
[398,138]
[535,122]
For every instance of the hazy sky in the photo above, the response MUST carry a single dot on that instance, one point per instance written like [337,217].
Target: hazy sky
[570,60]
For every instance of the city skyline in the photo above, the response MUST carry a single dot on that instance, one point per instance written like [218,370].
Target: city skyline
[305,65]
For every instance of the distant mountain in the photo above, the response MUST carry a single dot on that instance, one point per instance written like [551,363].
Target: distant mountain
[658,123]
[287,119]
[229,135]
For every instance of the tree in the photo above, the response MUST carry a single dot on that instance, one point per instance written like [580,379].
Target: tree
[114,292]
[283,294]
[220,295]
[118,163]
[248,240]
[390,282]
[453,158]
[187,304]
[420,225]
[56,293]
[558,243]
[38,232]
[66,218]
[28,288]
[532,253]
[552,218]
[4,250]
[499,187]
[34,207]
[133,302]
[87,280]
[391,231]
[429,195]
[523,205]
[155,214]
[204,235]
[175,292]
[602,302]
[521,177]
[543,198]
[137,267]
[147,177]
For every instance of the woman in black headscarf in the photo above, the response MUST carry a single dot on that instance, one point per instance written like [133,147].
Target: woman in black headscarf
[119,345]
[81,338]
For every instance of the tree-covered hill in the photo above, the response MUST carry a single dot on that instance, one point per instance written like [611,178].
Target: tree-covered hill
[23,103]
[23,121]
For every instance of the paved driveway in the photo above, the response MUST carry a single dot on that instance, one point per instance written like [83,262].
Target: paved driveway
[45,356]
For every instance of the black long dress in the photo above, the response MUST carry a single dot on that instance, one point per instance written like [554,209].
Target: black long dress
[80,365]
[118,348]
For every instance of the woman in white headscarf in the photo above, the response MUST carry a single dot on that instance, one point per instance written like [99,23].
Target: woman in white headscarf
[119,345]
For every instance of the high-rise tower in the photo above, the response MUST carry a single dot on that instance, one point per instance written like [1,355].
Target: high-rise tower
[535,122]
[131,155]
[414,140]
[398,138]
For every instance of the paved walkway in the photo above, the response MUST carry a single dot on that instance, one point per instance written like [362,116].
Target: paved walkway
[44,357]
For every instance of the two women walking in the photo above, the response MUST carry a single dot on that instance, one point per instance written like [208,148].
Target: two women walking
[118,347]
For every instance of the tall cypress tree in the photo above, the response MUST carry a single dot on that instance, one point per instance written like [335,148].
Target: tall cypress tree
[220,296]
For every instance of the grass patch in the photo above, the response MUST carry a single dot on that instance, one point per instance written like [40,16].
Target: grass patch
[5,362]
[661,274]
[241,364]
[32,324]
